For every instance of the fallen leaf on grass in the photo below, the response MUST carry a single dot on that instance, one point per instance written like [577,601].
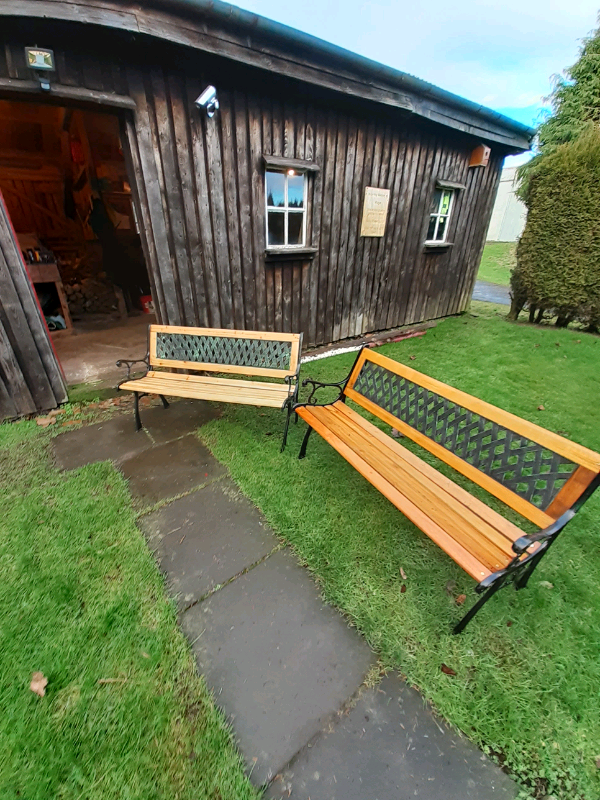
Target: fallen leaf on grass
[43,422]
[448,670]
[412,358]
[541,408]
[38,683]
[403,574]
[69,422]
[460,599]
[547,584]
[597,762]
[403,588]
[56,411]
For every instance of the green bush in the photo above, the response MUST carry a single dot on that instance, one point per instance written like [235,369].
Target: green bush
[558,255]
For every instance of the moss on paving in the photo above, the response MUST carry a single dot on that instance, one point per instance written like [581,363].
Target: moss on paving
[82,601]
[497,262]
[528,673]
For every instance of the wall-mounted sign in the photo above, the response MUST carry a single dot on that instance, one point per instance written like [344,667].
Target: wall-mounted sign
[375,210]
[39,59]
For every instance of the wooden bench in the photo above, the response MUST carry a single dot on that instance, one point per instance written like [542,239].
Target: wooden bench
[248,353]
[541,475]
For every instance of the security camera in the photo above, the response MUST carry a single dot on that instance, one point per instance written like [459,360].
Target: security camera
[208,100]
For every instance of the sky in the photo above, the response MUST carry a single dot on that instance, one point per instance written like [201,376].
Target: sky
[500,54]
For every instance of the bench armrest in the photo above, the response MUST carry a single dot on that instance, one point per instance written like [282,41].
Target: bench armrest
[316,385]
[130,362]
[524,542]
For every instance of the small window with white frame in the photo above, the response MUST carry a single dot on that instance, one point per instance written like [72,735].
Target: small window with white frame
[285,193]
[441,208]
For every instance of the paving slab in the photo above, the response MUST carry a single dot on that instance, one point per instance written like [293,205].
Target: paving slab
[170,469]
[112,440]
[180,418]
[279,660]
[206,538]
[391,747]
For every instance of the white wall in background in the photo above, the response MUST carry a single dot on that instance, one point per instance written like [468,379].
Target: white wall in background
[509,214]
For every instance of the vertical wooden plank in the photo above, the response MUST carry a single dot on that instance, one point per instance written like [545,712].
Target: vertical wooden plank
[165,93]
[370,247]
[352,275]
[150,177]
[216,194]
[245,180]
[135,174]
[278,298]
[326,222]
[287,289]
[232,207]
[336,232]
[386,172]
[257,197]
[361,268]
[189,193]
[340,312]
[317,190]
[15,398]
[25,330]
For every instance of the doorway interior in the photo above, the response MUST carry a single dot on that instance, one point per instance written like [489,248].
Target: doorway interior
[64,181]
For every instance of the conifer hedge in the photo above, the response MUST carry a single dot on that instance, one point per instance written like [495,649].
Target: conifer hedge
[558,255]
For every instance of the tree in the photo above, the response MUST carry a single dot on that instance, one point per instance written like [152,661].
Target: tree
[575,103]
[558,255]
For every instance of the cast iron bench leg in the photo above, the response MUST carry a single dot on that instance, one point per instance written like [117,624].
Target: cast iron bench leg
[498,584]
[302,453]
[285,430]
[164,401]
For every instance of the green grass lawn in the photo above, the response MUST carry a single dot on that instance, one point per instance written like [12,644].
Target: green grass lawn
[82,601]
[527,686]
[497,262]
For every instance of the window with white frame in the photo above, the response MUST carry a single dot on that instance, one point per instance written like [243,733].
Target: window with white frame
[286,208]
[441,208]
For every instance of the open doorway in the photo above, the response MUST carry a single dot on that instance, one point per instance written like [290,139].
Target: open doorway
[65,185]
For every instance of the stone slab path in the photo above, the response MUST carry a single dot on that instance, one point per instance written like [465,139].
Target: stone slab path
[287,669]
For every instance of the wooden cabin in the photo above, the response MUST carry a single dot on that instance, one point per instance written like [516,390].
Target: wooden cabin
[326,193]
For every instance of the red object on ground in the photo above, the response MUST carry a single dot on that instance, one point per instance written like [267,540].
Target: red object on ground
[147,304]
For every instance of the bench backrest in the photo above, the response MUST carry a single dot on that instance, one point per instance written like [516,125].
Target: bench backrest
[274,355]
[536,472]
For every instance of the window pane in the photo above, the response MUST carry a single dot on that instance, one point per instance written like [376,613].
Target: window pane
[295,220]
[276,221]
[445,206]
[435,202]
[296,191]
[431,229]
[441,229]
[275,189]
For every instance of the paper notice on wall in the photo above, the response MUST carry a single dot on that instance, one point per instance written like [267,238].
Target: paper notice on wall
[375,210]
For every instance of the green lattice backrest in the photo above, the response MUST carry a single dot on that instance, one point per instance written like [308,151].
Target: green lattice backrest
[274,355]
[537,472]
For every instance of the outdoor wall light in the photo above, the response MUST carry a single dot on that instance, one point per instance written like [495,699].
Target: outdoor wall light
[208,100]
[40,62]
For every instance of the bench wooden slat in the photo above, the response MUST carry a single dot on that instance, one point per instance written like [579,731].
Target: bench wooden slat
[226,384]
[476,534]
[198,391]
[571,491]
[454,549]
[508,529]
[558,444]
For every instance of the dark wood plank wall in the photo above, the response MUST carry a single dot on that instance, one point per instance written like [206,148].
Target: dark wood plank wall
[30,377]
[200,196]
